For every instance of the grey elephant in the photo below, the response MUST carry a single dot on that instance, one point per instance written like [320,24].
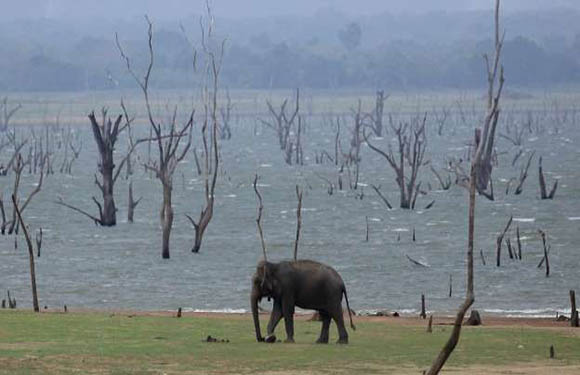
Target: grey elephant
[303,283]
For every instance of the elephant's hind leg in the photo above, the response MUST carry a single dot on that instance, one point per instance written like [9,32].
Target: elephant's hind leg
[288,311]
[323,339]
[339,319]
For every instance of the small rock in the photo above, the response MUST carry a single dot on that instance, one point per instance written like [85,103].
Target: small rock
[474,319]
[270,339]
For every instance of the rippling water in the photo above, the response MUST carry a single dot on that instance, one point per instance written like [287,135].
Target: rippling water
[84,266]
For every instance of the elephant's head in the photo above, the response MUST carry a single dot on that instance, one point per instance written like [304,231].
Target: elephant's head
[264,284]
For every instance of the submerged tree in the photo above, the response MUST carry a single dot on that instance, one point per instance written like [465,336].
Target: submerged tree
[168,138]
[211,164]
[106,134]
[410,153]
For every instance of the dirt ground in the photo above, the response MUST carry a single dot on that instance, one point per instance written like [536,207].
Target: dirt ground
[488,320]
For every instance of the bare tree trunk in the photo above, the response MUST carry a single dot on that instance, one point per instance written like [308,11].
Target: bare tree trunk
[298,221]
[132,204]
[30,256]
[469,296]
[109,211]
[166,219]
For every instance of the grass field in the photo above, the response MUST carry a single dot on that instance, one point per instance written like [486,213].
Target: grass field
[122,343]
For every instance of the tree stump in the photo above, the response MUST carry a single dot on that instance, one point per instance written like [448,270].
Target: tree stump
[573,311]
[423,314]
[474,319]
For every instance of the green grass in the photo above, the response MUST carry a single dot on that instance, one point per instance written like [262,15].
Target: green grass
[51,343]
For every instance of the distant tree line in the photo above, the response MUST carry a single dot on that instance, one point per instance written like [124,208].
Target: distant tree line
[92,63]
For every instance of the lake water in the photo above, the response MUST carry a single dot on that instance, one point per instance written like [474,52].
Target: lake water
[85,266]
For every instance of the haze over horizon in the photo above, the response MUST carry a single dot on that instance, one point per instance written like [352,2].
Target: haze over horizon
[170,9]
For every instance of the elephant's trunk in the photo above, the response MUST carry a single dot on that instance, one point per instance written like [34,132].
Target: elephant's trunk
[254,302]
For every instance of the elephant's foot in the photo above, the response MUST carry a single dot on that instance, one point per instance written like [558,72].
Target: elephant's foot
[342,340]
[322,340]
[289,340]
[270,339]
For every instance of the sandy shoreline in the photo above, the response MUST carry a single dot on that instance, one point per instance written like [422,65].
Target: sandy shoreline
[489,320]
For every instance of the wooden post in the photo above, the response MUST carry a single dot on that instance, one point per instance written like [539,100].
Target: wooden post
[552,352]
[573,311]
[423,314]
[179,312]
[298,221]
[450,285]
[546,251]
[367,233]
[519,242]
[38,242]
[430,325]
[509,247]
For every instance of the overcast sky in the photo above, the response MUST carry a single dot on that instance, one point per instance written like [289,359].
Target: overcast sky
[119,9]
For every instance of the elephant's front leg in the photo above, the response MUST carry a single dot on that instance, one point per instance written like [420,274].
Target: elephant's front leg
[274,320]
[288,311]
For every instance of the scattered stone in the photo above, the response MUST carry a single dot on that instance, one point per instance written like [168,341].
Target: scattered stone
[474,319]
[270,339]
[213,339]
[562,318]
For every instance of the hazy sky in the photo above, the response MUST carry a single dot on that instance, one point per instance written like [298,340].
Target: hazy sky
[119,9]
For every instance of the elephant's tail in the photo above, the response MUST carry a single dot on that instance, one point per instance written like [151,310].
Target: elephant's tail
[348,308]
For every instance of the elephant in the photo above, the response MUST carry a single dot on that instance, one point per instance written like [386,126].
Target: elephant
[304,283]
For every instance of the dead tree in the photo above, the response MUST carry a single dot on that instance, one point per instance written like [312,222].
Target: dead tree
[573,311]
[6,113]
[411,145]
[131,143]
[72,143]
[479,164]
[546,252]
[524,175]
[287,126]
[383,198]
[225,129]
[106,134]
[18,168]
[168,140]
[259,220]
[298,221]
[441,119]
[352,158]
[445,184]
[30,255]
[543,193]
[211,165]
[377,114]
[499,241]
[132,203]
